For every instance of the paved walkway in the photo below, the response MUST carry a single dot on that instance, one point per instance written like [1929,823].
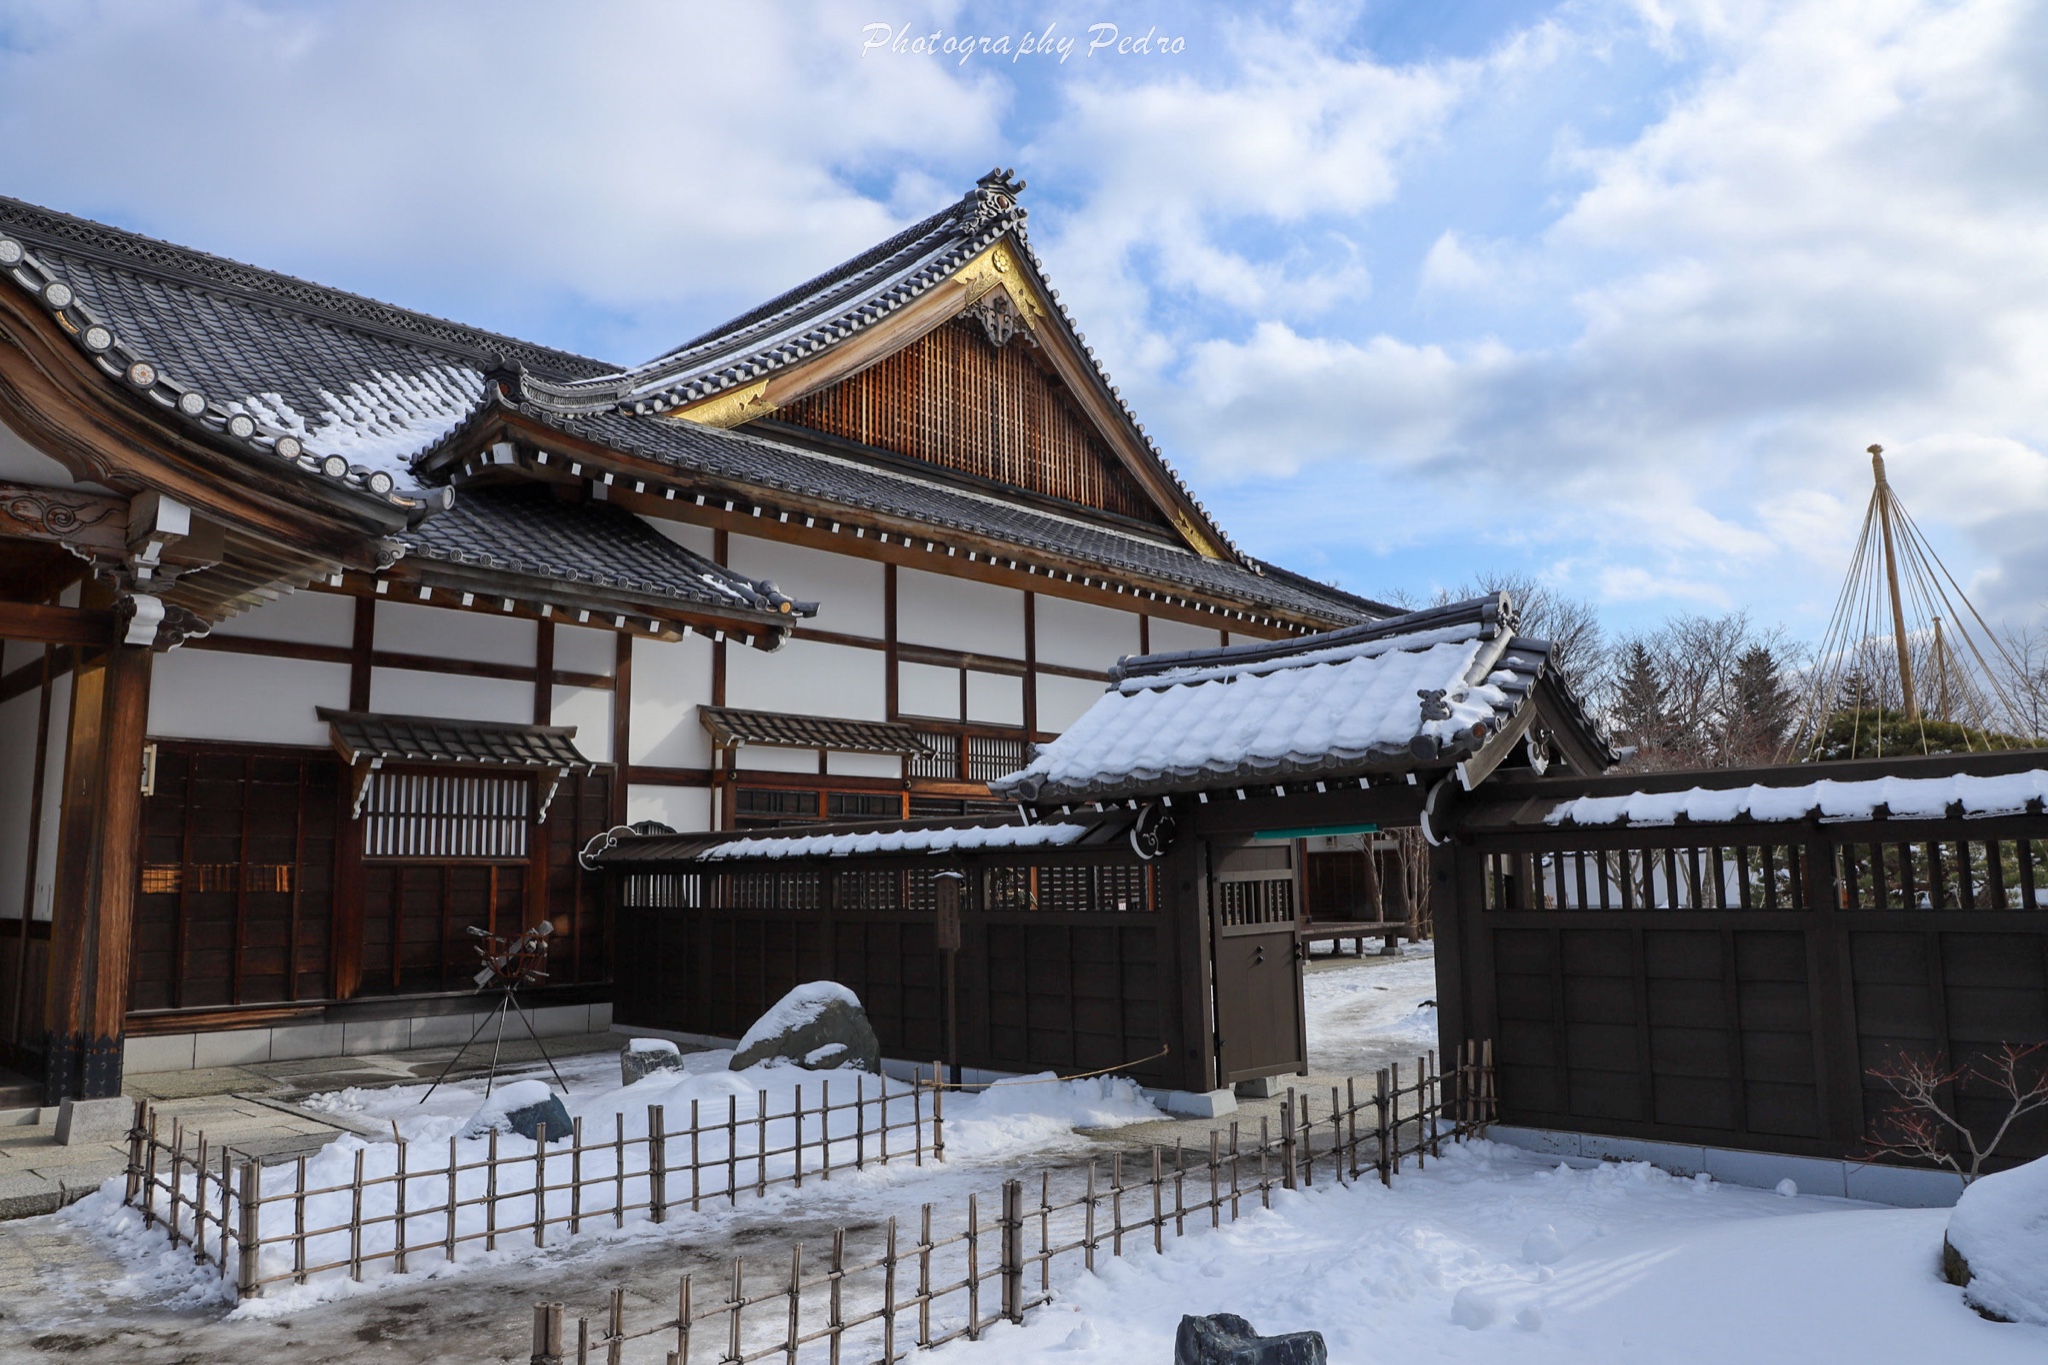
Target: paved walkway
[254,1109]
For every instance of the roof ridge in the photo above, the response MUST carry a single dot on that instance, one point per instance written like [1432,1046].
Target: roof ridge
[85,236]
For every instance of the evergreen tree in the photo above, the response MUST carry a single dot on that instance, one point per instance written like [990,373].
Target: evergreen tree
[1765,707]
[1640,717]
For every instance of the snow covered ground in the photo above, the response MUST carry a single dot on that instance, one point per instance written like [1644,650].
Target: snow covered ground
[1494,1256]
[1368,1012]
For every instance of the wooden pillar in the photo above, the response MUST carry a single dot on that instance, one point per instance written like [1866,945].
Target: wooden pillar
[98,847]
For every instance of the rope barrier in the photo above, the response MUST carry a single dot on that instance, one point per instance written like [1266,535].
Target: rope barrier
[937,1084]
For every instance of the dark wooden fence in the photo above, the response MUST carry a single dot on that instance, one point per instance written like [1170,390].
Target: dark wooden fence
[1067,959]
[1734,984]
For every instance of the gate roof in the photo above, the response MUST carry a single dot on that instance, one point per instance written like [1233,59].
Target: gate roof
[1452,687]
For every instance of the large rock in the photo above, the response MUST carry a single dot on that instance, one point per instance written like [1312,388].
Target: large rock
[644,1056]
[1997,1244]
[1227,1339]
[521,1107]
[819,1026]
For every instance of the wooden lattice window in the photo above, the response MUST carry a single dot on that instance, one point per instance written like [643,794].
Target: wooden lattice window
[446,815]
[1266,901]
[1087,888]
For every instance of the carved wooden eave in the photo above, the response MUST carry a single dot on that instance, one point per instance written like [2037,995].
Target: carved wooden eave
[1000,267]
[265,530]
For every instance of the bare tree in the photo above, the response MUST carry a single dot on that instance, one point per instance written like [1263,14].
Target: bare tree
[1921,1125]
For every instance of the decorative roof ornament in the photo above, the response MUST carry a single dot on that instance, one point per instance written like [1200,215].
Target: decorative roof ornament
[1000,318]
[993,197]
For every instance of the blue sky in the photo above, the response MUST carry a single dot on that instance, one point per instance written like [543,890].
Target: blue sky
[1611,293]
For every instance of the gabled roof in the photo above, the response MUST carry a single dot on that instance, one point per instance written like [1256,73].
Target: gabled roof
[818,333]
[530,532]
[1452,686]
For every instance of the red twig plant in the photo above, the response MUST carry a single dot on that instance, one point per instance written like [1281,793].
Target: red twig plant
[1920,1125]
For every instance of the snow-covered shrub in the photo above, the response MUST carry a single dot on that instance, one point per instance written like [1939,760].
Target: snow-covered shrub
[1998,1243]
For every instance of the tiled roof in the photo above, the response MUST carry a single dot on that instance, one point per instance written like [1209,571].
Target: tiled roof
[353,390]
[730,725]
[344,387]
[369,736]
[1425,690]
[528,530]
[741,457]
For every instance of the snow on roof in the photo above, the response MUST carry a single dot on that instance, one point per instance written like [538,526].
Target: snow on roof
[380,422]
[973,839]
[1392,693]
[1903,797]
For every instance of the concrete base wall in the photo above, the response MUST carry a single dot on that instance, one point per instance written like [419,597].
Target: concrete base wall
[294,1042]
[1894,1185]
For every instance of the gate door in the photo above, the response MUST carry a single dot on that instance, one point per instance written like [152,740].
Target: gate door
[1254,906]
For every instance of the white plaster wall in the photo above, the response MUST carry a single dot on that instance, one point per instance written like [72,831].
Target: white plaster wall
[670,681]
[926,690]
[761,759]
[17,793]
[701,539]
[864,765]
[444,633]
[806,677]
[850,592]
[959,613]
[1083,635]
[23,463]
[1062,700]
[582,649]
[211,694]
[589,709]
[45,895]
[995,698]
[303,618]
[412,692]
[687,809]
[1170,637]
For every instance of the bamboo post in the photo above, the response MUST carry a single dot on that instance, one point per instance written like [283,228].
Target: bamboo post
[924,1280]
[825,1128]
[1116,1204]
[1088,1227]
[938,1116]
[1337,1132]
[454,1198]
[149,1176]
[917,1119]
[177,1181]
[1351,1117]
[973,1269]
[355,1221]
[136,1134]
[836,1317]
[1287,1171]
[1436,1106]
[889,1295]
[491,1193]
[1158,1204]
[796,1286]
[796,1146]
[615,1328]
[575,1175]
[734,1304]
[1011,1262]
[199,1202]
[618,1169]
[1180,1181]
[1421,1114]
[1235,1156]
[696,1161]
[547,1334]
[732,1149]
[1215,1178]
[398,1216]
[684,1321]
[540,1184]
[1380,1113]
[657,1164]
[226,1183]
[1265,1176]
[252,1230]
[1394,1117]
[582,1341]
[860,1121]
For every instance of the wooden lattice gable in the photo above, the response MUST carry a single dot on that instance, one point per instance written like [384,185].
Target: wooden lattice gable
[829,353]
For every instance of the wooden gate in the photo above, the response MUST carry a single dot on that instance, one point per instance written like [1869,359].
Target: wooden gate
[1254,906]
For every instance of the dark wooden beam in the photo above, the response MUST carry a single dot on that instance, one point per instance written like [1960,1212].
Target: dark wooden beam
[50,625]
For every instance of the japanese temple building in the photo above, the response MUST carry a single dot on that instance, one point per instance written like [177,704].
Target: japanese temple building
[330,630]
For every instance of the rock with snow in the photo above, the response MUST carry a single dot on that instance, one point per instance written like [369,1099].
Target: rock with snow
[645,1056]
[819,1026]
[521,1107]
[1997,1245]
[1227,1339]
